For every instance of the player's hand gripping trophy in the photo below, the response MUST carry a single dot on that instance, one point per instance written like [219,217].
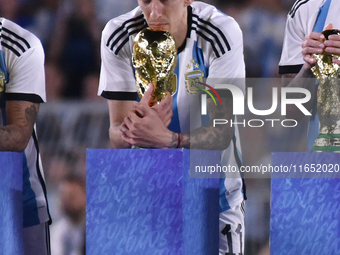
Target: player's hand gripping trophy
[154,59]
[328,100]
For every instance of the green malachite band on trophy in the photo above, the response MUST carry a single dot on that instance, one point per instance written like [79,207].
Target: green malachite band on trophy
[328,136]
[326,149]
[327,143]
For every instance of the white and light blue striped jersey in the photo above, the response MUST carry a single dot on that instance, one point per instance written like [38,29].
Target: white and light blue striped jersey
[22,78]
[305,17]
[301,21]
[213,49]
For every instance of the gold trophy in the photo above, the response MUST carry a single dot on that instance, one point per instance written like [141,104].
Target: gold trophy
[154,59]
[328,100]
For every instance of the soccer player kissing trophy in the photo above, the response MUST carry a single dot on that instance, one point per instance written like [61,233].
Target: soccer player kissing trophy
[154,59]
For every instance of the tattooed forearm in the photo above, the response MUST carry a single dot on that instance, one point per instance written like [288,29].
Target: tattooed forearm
[185,140]
[209,137]
[21,117]
[12,139]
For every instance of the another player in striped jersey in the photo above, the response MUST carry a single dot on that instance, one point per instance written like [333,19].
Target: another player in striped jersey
[22,87]
[209,45]
[305,21]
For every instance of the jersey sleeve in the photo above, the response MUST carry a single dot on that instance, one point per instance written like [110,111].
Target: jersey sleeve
[291,57]
[230,67]
[27,76]
[117,80]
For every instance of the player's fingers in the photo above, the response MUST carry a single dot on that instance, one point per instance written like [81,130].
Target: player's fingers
[309,59]
[310,51]
[167,101]
[132,141]
[333,39]
[165,105]
[336,61]
[129,132]
[333,50]
[333,44]
[167,123]
[127,139]
[132,121]
[167,120]
[313,45]
[138,113]
[128,136]
[128,120]
[315,36]
[143,110]
[310,47]
[147,95]
[123,128]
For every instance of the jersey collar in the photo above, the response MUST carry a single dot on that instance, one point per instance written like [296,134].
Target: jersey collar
[182,47]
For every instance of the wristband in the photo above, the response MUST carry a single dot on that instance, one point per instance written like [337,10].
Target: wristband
[179,140]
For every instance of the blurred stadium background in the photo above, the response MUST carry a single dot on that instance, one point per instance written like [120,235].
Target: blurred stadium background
[75,118]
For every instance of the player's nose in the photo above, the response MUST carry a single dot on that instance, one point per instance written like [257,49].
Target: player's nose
[156,10]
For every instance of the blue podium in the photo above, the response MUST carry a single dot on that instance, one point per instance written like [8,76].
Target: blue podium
[11,220]
[305,212]
[143,201]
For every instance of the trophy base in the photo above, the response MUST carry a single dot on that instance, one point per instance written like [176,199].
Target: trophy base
[327,143]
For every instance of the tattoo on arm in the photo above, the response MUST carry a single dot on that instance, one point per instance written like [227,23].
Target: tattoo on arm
[185,142]
[209,137]
[21,116]
[174,140]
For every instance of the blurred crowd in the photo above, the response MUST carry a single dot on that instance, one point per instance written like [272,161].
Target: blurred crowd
[70,31]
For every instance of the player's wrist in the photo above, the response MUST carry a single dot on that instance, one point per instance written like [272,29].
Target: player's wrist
[179,140]
[175,140]
[307,71]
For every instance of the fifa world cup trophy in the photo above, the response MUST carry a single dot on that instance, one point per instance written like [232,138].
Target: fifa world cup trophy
[328,100]
[154,59]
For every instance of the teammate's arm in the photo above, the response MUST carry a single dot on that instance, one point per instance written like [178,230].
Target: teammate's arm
[27,80]
[304,78]
[313,43]
[21,116]
[118,110]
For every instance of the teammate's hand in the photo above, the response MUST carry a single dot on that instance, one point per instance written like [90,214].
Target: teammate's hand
[332,45]
[313,43]
[317,43]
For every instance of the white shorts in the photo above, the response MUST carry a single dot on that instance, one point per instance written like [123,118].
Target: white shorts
[231,234]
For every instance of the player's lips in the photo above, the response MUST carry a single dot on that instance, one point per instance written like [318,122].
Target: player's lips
[157,25]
